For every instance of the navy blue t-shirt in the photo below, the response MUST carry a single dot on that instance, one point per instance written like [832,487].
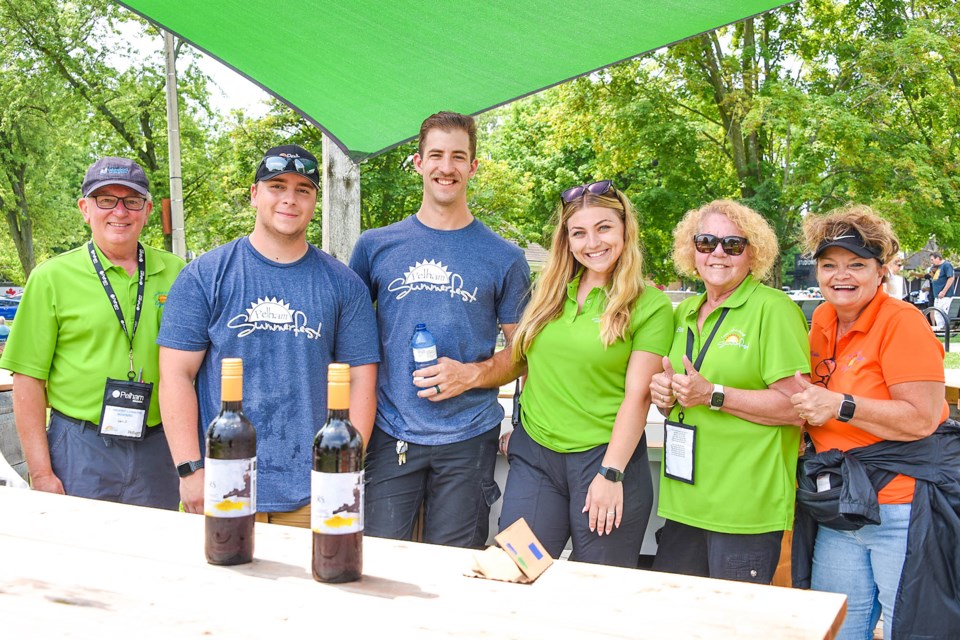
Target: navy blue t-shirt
[460,283]
[944,273]
[287,322]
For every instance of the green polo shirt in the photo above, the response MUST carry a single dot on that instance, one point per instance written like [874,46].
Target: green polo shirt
[575,385]
[68,334]
[744,472]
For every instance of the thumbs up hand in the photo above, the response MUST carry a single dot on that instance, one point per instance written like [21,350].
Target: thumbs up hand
[691,388]
[661,388]
[813,403]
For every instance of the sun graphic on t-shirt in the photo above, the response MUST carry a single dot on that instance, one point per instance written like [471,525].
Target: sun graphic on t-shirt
[270,310]
[431,271]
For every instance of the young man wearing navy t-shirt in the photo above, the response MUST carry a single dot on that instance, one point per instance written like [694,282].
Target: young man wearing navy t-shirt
[288,310]
[436,433]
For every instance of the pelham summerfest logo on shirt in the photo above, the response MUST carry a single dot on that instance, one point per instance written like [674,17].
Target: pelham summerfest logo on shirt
[431,275]
[270,314]
[733,338]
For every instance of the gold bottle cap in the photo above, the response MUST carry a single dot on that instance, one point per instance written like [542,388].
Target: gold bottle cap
[231,379]
[231,367]
[338,372]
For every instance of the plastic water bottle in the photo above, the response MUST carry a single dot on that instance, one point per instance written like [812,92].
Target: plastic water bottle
[424,347]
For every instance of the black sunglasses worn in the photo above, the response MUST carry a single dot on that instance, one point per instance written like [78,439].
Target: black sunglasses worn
[599,188]
[732,245]
[300,165]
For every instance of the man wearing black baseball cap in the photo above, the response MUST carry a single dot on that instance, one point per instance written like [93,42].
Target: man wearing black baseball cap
[288,310]
[90,319]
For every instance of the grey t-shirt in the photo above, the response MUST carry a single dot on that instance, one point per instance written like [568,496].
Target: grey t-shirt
[287,322]
[461,283]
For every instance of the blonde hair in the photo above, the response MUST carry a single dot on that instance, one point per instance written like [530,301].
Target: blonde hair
[550,291]
[877,233]
[762,246]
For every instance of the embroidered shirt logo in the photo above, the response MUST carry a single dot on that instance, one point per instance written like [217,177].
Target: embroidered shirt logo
[160,299]
[733,338]
[431,275]
[271,314]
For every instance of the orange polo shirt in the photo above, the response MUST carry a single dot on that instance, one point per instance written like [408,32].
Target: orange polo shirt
[890,343]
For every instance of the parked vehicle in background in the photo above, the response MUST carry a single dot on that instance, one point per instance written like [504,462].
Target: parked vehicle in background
[8,308]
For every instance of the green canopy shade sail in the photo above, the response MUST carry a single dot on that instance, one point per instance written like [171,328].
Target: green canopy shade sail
[367,72]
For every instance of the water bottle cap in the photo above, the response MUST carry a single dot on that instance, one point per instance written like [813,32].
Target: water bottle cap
[421,326]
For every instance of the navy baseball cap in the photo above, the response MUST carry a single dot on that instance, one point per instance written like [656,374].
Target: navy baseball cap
[288,158]
[111,170]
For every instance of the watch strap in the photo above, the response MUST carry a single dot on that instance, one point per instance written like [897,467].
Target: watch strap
[190,467]
[611,474]
[717,397]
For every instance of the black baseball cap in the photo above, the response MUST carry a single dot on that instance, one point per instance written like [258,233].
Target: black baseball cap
[852,241]
[288,158]
[112,170]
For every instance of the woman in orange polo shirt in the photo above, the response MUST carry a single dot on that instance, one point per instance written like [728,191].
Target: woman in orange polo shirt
[877,376]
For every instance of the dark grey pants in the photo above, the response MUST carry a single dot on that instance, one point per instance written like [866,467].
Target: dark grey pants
[128,471]
[548,489]
[453,482]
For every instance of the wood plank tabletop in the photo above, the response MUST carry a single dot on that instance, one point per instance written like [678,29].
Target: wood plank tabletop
[86,569]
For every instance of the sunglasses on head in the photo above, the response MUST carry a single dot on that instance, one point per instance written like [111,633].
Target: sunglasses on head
[598,188]
[279,163]
[732,245]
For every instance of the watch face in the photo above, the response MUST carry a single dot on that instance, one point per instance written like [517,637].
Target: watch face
[716,400]
[847,409]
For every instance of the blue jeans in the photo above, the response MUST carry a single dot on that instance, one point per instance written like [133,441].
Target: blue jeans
[548,489]
[865,565]
[453,482]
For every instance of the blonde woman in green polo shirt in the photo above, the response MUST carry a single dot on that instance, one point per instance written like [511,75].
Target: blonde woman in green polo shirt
[731,441]
[592,337]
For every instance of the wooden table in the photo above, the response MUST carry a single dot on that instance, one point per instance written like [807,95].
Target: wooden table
[952,378]
[75,568]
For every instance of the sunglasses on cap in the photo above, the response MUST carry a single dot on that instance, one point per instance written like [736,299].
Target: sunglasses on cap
[732,245]
[599,188]
[279,163]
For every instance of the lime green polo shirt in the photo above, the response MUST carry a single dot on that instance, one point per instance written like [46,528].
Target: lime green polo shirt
[575,385]
[68,334]
[744,472]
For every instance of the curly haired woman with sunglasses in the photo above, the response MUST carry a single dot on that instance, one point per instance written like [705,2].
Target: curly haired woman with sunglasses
[732,438]
[592,336]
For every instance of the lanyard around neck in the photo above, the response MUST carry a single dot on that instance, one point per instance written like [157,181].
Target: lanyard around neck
[706,345]
[112,296]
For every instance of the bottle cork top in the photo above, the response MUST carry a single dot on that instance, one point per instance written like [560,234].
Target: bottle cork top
[338,372]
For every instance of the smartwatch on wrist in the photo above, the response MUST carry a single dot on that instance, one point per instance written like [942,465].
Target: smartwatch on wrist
[717,397]
[185,469]
[611,474]
[847,407]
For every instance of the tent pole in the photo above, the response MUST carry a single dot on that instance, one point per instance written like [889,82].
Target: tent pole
[173,144]
[341,202]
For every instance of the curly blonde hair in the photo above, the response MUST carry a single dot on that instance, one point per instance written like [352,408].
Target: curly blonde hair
[762,246]
[550,292]
[877,233]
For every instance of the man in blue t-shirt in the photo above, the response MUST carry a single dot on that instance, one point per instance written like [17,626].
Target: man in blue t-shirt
[288,310]
[943,285]
[436,434]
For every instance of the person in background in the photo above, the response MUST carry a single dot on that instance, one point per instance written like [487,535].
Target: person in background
[943,285]
[894,284]
[288,310]
[877,393]
[731,443]
[435,440]
[4,333]
[93,315]
[592,337]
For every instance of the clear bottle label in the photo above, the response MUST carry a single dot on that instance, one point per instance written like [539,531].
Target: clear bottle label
[425,354]
[230,489]
[336,502]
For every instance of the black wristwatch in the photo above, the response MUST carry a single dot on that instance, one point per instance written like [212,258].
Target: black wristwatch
[185,469]
[717,397]
[847,407]
[611,474]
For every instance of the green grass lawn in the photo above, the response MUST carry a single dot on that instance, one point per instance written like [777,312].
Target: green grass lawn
[951,361]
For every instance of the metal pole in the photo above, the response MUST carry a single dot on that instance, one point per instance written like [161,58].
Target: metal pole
[173,145]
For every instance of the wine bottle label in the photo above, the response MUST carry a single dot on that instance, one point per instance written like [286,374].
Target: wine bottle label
[231,487]
[337,502]
[425,355]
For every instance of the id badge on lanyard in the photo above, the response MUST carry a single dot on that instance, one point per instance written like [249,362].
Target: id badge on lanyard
[680,439]
[126,403]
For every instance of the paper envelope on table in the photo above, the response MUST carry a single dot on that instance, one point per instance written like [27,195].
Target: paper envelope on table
[519,558]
